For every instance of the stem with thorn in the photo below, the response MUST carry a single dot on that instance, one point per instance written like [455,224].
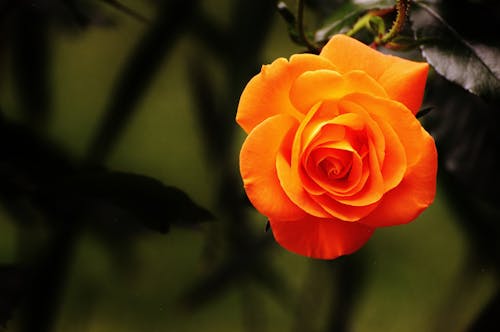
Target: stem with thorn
[402,8]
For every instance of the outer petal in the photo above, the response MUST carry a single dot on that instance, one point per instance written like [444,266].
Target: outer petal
[258,168]
[415,192]
[320,238]
[402,79]
[267,93]
[320,85]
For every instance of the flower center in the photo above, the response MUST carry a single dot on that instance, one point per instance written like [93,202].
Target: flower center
[335,168]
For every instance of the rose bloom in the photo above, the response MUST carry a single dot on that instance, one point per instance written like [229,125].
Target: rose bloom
[334,149]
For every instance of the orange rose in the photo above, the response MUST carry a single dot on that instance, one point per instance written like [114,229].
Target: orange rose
[334,149]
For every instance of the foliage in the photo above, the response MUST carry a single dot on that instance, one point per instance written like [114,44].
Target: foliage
[40,181]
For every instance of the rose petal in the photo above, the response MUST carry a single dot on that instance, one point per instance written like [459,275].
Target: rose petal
[294,189]
[320,85]
[258,168]
[288,166]
[320,238]
[344,212]
[372,133]
[333,163]
[373,190]
[405,125]
[267,93]
[346,187]
[324,124]
[403,80]
[394,165]
[415,192]
[333,203]
[287,169]
[314,123]
[313,172]
[390,151]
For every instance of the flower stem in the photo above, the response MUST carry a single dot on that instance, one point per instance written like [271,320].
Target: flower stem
[300,28]
[402,8]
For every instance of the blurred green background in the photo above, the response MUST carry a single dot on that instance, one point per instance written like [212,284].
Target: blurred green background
[413,276]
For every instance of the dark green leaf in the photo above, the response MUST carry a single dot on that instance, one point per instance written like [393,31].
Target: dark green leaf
[27,152]
[466,132]
[114,195]
[455,58]
[342,25]
[28,161]
[476,14]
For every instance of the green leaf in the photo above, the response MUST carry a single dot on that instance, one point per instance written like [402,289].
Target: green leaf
[344,24]
[116,196]
[455,58]
[465,129]
[27,162]
[347,15]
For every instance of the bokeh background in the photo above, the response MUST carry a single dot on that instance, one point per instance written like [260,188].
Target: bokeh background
[95,93]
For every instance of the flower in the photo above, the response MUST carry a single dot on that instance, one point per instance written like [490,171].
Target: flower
[334,149]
